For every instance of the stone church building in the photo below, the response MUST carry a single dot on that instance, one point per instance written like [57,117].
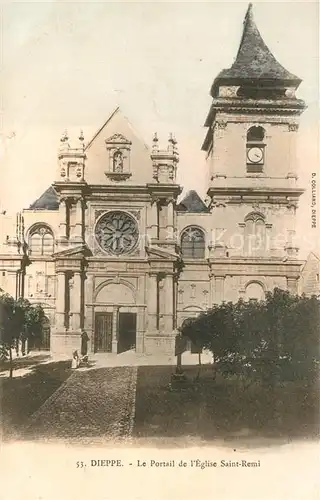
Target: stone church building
[108,249]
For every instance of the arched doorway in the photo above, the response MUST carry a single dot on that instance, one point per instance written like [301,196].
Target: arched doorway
[115,322]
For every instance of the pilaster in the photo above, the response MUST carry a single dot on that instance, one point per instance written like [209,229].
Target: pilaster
[152,302]
[75,295]
[140,330]
[219,289]
[292,285]
[12,283]
[60,300]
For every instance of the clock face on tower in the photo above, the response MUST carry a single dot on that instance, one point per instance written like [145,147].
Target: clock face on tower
[255,155]
[117,232]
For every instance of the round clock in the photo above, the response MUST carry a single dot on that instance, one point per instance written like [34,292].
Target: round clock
[255,155]
[117,232]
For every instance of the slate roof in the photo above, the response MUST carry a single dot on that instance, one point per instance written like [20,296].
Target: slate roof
[48,201]
[254,61]
[192,203]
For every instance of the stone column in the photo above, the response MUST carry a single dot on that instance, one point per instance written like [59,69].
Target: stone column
[76,301]
[63,219]
[115,329]
[60,300]
[170,220]
[78,223]
[219,289]
[152,302]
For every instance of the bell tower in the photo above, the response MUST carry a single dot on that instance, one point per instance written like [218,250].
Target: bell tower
[70,184]
[250,150]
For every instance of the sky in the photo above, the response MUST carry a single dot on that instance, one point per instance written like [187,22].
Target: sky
[69,64]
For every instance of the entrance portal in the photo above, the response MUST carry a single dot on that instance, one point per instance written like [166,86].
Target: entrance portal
[127,331]
[103,332]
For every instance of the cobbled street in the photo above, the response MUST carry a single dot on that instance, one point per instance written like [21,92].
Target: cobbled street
[91,406]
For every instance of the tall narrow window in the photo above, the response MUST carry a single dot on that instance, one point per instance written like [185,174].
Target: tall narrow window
[193,243]
[255,149]
[41,241]
[255,235]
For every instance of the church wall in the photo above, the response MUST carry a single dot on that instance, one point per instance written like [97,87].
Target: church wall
[40,285]
[226,219]
[7,229]
[229,155]
[223,226]
[50,217]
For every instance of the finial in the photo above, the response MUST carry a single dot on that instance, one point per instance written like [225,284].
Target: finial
[81,136]
[175,142]
[64,136]
[155,142]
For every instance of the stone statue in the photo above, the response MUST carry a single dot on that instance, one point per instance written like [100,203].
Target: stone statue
[118,162]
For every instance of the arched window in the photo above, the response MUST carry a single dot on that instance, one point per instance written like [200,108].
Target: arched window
[41,241]
[255,134]
[193,243]
[254,290]
[255,149]
[255,235]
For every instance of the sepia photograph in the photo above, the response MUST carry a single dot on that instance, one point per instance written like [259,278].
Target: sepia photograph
[159,250]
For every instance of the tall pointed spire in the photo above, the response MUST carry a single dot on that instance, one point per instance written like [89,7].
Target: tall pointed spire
[254,61]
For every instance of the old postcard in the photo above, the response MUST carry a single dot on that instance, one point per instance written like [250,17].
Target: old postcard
[159,250]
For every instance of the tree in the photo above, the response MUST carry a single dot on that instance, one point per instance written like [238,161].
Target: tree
[12,325]
[271,340]
[19,320]
[34,318]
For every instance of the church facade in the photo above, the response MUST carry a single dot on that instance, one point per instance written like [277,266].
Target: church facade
[109,250]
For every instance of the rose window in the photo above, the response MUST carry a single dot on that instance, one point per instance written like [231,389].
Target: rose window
[117,232]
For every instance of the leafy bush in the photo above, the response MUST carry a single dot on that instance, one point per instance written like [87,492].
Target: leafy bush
[270,340]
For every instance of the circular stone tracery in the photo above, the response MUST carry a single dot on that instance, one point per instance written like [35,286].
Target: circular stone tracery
[117,232]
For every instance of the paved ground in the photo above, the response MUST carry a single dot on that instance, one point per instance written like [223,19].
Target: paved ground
[131,358]
[92,406]
[95,404]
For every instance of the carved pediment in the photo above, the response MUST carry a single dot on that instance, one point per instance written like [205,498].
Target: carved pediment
[162,254]
[117,139]
[79,251]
